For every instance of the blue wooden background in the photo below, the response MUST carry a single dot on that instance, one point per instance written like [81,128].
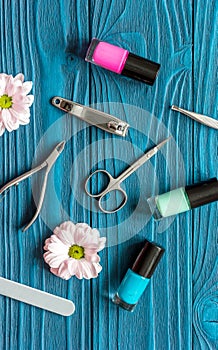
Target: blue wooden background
[47,41]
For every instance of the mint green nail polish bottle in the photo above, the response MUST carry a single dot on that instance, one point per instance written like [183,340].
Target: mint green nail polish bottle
[183,199]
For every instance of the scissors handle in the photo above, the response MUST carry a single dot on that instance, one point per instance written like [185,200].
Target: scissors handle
[112,186]
[105,190]
[120,206]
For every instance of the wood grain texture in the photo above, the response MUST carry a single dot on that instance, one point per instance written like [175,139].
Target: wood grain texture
[47,41]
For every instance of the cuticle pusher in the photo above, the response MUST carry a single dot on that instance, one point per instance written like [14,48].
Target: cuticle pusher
[203,119]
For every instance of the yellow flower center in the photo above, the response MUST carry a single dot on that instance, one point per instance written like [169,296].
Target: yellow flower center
[5,101]
[76,252]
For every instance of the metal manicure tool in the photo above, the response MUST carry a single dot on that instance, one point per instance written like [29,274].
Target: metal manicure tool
[48,163]
[92,116]
[203,119]
[36,297]
[113,184]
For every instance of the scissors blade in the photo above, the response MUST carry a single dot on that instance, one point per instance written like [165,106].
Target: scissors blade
[142,160]
[55,154]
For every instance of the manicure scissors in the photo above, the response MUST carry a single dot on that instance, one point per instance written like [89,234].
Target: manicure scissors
[48,163]
[114,183]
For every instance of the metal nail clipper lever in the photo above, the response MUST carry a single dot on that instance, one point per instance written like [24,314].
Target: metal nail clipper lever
[36,297]
[92,116]
[203,119]
[48,163]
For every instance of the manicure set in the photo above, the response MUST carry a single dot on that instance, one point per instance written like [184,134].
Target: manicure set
[134,283]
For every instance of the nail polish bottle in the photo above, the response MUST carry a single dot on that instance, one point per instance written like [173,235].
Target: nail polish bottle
[137,278]
[183,199]
[121,61]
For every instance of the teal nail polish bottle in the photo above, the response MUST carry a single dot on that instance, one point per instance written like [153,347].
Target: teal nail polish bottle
[183,199]
[137,278]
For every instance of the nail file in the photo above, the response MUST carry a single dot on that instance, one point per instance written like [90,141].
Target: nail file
[36,297]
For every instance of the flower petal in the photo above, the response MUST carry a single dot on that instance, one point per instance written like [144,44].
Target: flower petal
[89,256]
[9,122]
[52,239]
[86,269]
[28,100]
[21,108]
[101,242]
[79,273]
[19,76]
[3,83]
[65,232]
[92,240]
[27,87]
[63,273]
[97,267]
[58,248]
[72,266]
[2,128]
[54,260]
[23,119]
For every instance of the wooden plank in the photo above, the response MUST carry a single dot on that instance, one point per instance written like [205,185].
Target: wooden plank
[205,223]
[160,320]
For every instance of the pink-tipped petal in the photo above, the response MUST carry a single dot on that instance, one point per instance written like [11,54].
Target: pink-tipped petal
[52,239]
[23,119]
[58,248]
[27,87]
[98,268]
[62,274]
[9,124]
[87,269]
[54,260]
[101,243]
[21,109]
[63,271]
[3,83]
[28,100]
[79,273]
[20,77]
[66,232]
[72,266]
[2,128]
[95,258]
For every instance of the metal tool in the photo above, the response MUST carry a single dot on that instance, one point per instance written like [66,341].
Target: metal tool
[49,162]
[114,183]
[36,297]
[203,119]
[92,116]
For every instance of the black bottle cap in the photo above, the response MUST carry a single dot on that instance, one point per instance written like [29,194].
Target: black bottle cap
[203,193]
[148,259]
[140,68]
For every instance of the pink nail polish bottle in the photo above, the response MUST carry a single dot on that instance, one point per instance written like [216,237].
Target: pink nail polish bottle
[121,61]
